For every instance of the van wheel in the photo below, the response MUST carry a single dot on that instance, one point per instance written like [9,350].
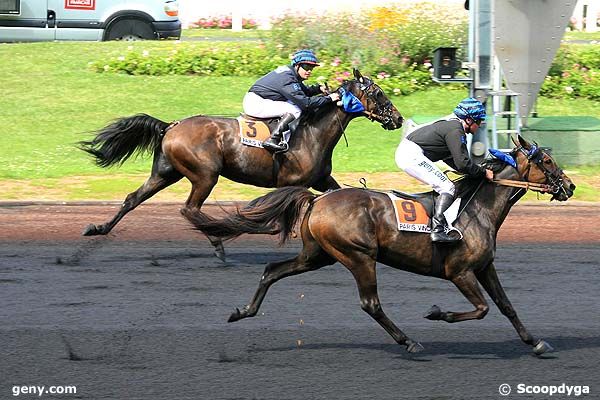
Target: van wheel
[130,29]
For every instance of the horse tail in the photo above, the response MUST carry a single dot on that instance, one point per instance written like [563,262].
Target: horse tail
[118,141]
[274,213]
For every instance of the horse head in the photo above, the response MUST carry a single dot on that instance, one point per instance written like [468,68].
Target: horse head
[536,166]
[377,106]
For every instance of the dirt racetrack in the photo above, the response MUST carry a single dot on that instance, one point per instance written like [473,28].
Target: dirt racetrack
[141,314]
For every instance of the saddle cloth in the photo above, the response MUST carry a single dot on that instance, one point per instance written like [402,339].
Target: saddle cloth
[253,132]
[412,216]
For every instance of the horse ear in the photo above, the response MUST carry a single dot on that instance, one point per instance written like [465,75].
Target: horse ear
[357,75]
[524,142]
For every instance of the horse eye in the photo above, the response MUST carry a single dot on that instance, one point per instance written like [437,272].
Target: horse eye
[548,161]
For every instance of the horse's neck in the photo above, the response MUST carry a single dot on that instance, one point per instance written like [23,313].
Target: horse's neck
[497,200]
[323,134]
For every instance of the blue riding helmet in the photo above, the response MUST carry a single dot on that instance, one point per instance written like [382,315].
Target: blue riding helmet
[305,56]
[470,108]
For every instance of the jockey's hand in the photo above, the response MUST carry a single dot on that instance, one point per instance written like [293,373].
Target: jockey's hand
[489,174]
[335,96]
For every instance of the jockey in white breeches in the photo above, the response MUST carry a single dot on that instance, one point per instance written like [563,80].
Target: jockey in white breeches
[445,140]
[282,93]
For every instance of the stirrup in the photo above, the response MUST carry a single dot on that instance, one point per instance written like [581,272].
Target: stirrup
[454,230]
[274,148]
[446,237]
[285,148]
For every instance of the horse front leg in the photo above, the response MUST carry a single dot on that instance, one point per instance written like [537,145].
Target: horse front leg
[363,268]
[466,282]
[488,278]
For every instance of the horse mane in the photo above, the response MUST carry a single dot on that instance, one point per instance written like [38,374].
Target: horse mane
[466,185]
[312,116]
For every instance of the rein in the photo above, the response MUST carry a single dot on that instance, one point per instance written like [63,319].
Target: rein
[373,116]
[536,187]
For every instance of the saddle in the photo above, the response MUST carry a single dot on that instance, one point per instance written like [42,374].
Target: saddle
[426,199]
[254,130]
[414,211]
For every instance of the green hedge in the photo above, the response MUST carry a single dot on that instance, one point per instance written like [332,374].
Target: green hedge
[575,72]
[391,44]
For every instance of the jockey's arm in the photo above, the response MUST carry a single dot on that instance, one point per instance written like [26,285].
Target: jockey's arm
[312,90]
[294,93]
[460,156]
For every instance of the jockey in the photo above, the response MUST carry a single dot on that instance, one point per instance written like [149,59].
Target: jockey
[281,93]
[445,140]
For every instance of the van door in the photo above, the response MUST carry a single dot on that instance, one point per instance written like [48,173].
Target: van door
[34,23]
[77,19]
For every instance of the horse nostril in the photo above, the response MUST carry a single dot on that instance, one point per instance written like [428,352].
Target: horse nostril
[572,187]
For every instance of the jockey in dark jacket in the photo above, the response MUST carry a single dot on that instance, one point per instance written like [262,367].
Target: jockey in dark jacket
[282,93]
[444,140]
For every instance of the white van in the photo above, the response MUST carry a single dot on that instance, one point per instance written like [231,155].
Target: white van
[41,20]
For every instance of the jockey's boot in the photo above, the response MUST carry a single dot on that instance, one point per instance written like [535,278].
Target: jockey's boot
[273,143]
[439,224]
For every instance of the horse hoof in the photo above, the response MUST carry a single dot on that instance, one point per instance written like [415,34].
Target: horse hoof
[415,347]
[220,251]
[235,316]
[90,230]
[220,254]
[434,313]
[542,347]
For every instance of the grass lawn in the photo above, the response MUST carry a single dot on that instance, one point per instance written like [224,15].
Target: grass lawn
[575,35]
[51,98]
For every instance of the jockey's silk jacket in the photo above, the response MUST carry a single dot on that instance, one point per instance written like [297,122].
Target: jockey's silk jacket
[284,84]
[446,140]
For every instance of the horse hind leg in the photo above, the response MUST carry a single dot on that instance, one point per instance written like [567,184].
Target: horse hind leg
[467,284]
[202,185]
[162,176]
[490,282]
[311,258]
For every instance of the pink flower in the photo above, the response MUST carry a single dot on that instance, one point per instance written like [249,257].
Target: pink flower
[336,61]
[383,61]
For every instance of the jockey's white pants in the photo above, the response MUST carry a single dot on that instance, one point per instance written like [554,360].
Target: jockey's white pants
[410,158]
[259,107]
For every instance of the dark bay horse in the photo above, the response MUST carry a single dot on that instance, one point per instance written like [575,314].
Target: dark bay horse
[202,148]
[358,228]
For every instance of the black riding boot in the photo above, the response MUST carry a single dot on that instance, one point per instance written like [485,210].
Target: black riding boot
[439,223]
[272,143]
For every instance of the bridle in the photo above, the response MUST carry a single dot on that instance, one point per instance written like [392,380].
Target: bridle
[383,112]
[535,156]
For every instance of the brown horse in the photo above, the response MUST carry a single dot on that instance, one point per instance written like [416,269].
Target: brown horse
[358,228]
[202,148]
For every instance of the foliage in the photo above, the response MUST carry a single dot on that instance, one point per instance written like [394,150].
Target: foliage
[222,22]
[235,60]
[392,44]
[403,33]
[575,72]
